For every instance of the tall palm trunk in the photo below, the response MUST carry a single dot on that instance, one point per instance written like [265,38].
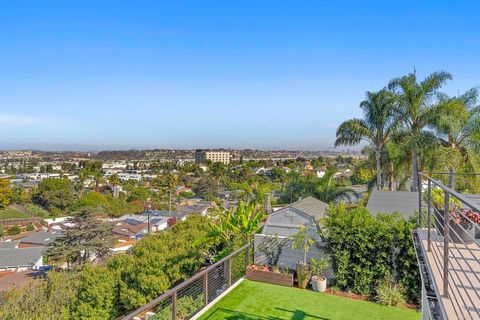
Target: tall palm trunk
[379,167]
[415,170]
[392,177]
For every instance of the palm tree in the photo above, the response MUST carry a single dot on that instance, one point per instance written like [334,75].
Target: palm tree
[457,124]
[329,190]
[376,127]
[416,109]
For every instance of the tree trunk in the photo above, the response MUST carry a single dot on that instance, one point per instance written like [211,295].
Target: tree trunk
[379,167]
[451,179]
[392,177]
[415,170]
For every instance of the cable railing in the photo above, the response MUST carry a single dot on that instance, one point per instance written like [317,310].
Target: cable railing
[449,225]
[189,297]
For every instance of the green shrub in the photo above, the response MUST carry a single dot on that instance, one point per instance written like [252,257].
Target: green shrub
[390,293]
[365,249]
[30,227]
[13,230]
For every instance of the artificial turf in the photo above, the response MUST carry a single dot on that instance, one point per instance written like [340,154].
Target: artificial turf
[255,300]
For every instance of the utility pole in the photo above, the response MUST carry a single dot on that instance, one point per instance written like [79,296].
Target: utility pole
[148,209]
[170,200]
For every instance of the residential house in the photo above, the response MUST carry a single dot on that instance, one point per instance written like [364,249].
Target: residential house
[286,222]
[14,258]
[39,239]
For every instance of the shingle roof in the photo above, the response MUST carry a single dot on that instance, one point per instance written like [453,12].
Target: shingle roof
[20,257]
[311,206]
[42,237]
[405,202]
[8,244]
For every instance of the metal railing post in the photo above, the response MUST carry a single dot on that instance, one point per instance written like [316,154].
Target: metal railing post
[429,216]
[229,270]
[174,305]
[446,236]
[419,199]
[205,287]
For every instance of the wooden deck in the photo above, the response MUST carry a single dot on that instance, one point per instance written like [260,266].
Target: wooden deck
[464,276]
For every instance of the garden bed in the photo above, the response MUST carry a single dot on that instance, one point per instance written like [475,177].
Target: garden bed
[267,275]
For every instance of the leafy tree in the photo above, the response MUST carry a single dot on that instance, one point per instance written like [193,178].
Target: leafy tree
[138,194]
[41,300]
[160,260]
[457,124]
[88,238]
[416,110]
[376,127]
[97,294]
[55,195]
[326,188]
[206,187]
[114,180]
[232,228]
[5,193]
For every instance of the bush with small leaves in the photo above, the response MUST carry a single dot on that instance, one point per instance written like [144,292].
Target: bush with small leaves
[13,230]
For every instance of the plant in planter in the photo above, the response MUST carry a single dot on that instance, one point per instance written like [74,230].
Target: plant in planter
[463,223]
[271,248]
[302,239]
[273,275]
[319,266]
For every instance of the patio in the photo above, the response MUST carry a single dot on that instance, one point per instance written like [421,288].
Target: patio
[254,300]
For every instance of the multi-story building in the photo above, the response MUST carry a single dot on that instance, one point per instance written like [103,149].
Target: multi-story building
[214,156]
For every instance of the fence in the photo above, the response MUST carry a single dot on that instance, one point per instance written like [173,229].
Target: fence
[20,221]
[450,227]
[186,299]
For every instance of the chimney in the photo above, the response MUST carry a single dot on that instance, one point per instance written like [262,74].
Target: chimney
[268,204]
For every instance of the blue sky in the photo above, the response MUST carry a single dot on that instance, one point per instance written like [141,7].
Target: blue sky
[240,74]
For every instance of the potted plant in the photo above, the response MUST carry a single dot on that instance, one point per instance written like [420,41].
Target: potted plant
[319,266]
[462,221]
[302,239]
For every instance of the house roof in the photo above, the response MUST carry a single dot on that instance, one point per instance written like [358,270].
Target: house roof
[124,228]
[311,206]
[42,237]
[288,221]
[9,244]
[19,257]
[169,214]
[404,202]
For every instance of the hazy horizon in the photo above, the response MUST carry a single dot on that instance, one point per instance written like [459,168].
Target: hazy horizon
[262,75]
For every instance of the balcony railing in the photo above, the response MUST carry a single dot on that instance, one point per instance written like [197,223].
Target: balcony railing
[448,233]
[189,297]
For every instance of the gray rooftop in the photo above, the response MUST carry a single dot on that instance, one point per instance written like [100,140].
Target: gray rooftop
[311,206]
[404,202]
[9,244]
[42,237]
[20,257]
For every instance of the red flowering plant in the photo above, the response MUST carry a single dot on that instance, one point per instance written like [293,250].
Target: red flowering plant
[465,216]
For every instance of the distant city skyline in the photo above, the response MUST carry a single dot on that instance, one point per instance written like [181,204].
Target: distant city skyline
[263,75]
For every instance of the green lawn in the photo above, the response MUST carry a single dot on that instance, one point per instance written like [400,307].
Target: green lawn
[11,213]
[255,300]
